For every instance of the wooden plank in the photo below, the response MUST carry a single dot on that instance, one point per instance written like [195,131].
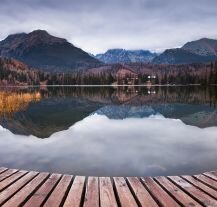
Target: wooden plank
[74,196]
[142,195]
[208,181]
[92,193]
[212,175]
[38,198]
[200,185]
[58,194]
[126,198]
[8,181]
[7,174]
[23,194]
[176,192]
[197,194]
[107,196]
[12,189]
[159,194]
[2,169]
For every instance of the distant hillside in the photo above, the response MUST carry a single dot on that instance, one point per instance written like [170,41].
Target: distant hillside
[14,72]
[203,47]
[200,51]
[126,56]
[40,50]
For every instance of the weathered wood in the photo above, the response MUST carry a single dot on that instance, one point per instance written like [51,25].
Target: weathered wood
[212,175]
[208,181]
[177,193]
[7,174]
[57,196]
[92,193]
[21,196]
[124,195]
[197,194]
[33,189]
[13,178]
[74,196]
[107,196]
[200,185]
[12,189]
[42,193]
[143,196]
[2,169]
[159,194]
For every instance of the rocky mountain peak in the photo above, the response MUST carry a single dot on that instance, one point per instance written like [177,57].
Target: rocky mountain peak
[41,50]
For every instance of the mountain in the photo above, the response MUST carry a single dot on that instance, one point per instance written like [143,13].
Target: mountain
[41,50]
[199,51]
[126,56]
[181,56]
[203,47]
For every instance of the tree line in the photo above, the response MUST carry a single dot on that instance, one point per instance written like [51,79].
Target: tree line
[13,76]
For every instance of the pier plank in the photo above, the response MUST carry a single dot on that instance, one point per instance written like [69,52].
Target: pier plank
[42,193]
[92,193]
[107,196]
[59,193]
[160,195]
[3,169]
[200,185]
[126,198]
[212,175]
[74,197]
[7,174]
[177,193]
[15,187]
[142,195]
[21,196]
[197,194]
[208,181]
[32,189]
[13,178]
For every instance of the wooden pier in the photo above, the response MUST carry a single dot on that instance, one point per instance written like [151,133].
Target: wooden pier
[34,189]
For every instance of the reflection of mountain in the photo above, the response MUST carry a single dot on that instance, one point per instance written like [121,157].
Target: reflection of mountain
[48,116]
[58,108]
[196,115]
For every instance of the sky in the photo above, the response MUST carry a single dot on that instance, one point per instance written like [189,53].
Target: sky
[98,25]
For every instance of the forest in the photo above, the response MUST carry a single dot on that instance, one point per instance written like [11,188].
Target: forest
[15,73]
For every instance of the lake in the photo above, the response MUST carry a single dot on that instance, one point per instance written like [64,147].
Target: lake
[107,131]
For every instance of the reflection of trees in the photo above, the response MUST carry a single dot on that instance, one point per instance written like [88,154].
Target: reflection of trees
[144,95]
[12,102]
[19,99]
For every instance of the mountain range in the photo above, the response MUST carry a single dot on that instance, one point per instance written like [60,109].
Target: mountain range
[40,50]
[43,51]
[199,51]
[126,56]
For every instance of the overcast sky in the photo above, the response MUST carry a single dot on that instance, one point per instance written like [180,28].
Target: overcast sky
[98,25]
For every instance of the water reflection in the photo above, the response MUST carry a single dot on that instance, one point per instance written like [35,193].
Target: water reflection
[101,146]
[111,131]
[42,112]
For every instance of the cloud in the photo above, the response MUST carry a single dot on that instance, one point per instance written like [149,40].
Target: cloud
[98,25]
[101,146]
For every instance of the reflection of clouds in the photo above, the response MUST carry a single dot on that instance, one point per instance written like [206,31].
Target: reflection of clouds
[156,167]
[2,129]
[101,146]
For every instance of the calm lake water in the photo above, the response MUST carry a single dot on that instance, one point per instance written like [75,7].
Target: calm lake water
[107,131]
